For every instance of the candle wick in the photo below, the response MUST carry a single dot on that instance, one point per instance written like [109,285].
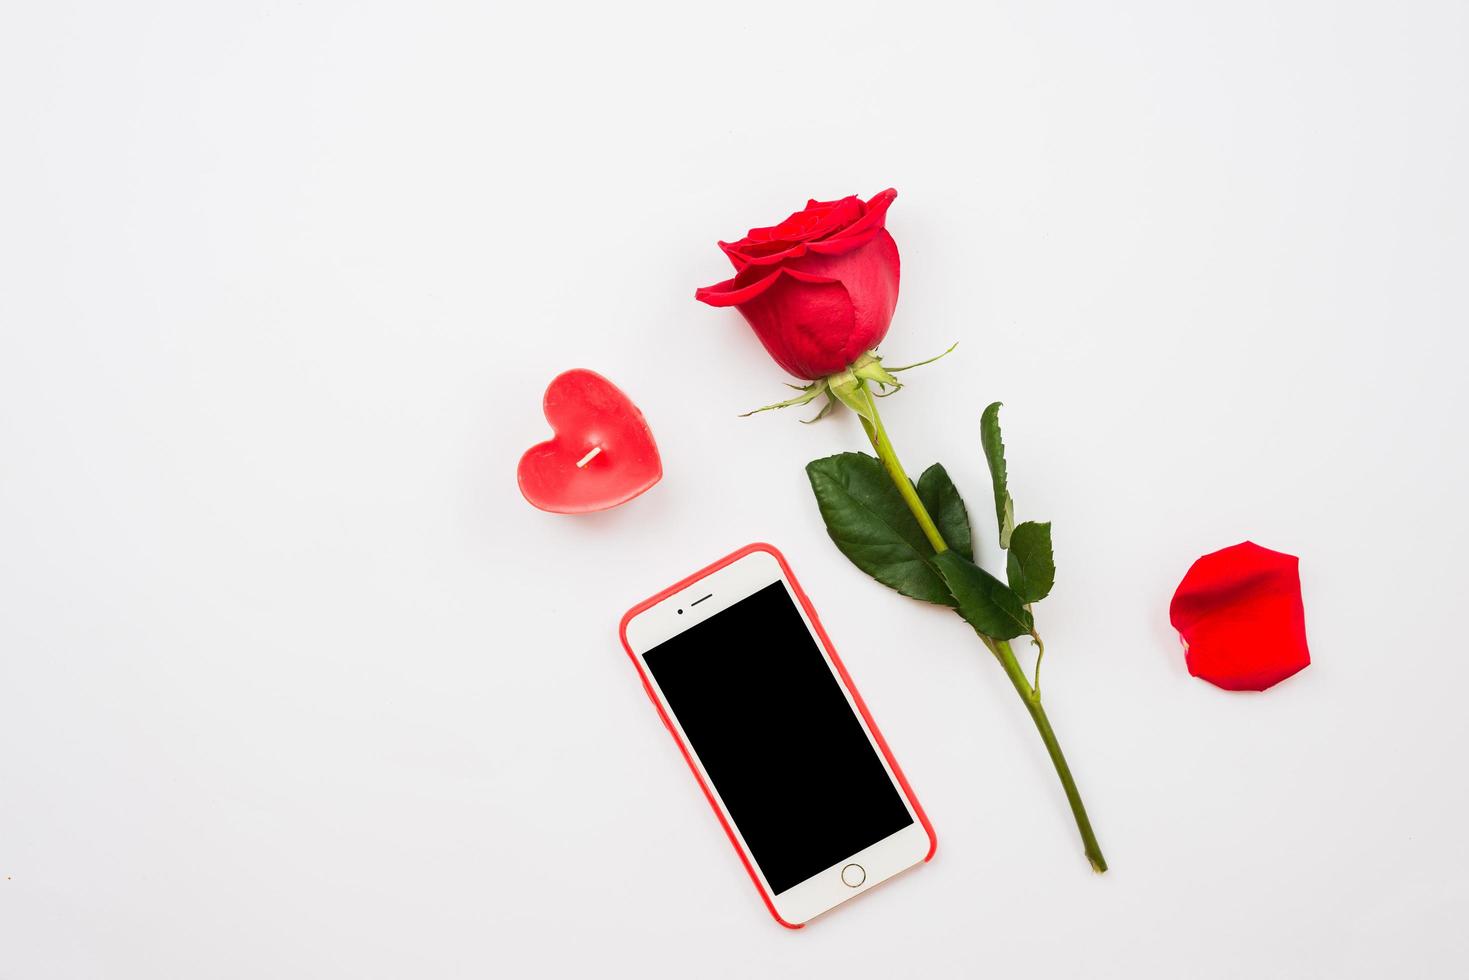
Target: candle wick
[588,457]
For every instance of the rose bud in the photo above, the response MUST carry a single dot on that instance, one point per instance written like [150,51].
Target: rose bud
[819,288]
[1240,615]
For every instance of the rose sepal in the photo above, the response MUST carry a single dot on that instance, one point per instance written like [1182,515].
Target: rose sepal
[844,386]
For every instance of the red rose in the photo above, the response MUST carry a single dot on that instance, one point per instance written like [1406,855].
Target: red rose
[1240,615]
[819,288]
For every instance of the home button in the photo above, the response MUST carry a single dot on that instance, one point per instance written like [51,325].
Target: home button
[853,875]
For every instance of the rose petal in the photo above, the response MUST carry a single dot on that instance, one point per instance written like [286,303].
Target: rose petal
[746,255]
[861,231]
[806,323]
[1240,615]
[777,243]
[741,289]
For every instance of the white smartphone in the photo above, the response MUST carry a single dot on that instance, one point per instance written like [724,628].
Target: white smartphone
[743,675]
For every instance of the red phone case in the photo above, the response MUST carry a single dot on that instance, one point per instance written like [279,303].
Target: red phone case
[841,671]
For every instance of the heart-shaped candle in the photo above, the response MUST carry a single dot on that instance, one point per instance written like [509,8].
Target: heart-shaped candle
[603,452]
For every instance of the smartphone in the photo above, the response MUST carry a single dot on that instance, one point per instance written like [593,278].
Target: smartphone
[743,675]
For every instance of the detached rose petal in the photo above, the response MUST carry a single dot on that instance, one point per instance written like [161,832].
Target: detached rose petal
[1240,615]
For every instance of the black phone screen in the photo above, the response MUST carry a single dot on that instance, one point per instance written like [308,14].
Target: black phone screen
[766,716]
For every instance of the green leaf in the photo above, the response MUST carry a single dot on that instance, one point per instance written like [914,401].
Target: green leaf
[867,518]
[942,501]
[1030,566]
[985,602]
[994,454]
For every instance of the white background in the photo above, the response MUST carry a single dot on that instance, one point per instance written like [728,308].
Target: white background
[293,683]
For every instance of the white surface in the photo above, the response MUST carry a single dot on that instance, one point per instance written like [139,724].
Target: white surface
[292,683]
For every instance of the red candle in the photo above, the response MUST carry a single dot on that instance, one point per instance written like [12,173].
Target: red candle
[602,453]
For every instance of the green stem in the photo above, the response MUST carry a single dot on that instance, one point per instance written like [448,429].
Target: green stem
[885,452]
[1000,648]
[1040,654]
[1032,700]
